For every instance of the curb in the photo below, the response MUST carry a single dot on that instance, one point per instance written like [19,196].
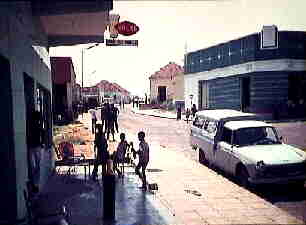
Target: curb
[159,116]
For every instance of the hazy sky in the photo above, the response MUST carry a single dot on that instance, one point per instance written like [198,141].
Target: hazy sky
[165,27]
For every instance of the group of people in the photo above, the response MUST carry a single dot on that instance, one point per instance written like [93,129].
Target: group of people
[109,119]
[188,113]
[124,150]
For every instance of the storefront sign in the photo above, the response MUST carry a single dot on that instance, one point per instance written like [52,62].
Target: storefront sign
[116,42]
[126,28]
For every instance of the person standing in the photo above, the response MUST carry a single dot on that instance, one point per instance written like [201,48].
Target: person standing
[187,114]
[110,117]
[103,116]
[93,120]
[35,136]
[179,113]
[115,112]
[193,110]
[144,158]
[102,154]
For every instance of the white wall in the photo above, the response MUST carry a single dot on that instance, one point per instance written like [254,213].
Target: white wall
[19,32]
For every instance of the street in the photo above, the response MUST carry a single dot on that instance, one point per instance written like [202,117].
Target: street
[197,194]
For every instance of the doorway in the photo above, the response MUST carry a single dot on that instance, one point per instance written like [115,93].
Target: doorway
[162,93]
[7,152]
[204,95]
[30,107]
[245,93]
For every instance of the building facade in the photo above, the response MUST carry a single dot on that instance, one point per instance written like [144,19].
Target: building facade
[167,84]
[27,30]
[65,96]
[242,75]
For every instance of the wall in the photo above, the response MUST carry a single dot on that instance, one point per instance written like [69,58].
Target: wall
[224,93]
[277,68]
[178,88]
[162,82]
[24,44]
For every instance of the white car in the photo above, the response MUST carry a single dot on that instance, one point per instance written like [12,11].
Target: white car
[247,148]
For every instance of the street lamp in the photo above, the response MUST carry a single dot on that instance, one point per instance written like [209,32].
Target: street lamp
[92,46]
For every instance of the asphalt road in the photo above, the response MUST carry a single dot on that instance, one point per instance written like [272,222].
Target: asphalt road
[174,135]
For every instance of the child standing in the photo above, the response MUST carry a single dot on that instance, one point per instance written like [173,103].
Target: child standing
[144,157]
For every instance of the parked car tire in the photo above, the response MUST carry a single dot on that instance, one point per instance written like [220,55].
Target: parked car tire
[243,176]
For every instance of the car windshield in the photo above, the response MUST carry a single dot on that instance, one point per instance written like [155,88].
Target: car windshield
[255,136]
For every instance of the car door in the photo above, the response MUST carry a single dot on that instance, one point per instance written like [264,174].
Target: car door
[224,150]
[208,134]
[195,131]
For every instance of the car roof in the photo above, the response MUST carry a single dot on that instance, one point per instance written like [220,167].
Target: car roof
[235,125]
[218,114]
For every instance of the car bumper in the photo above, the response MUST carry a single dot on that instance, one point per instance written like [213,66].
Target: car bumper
[278,180]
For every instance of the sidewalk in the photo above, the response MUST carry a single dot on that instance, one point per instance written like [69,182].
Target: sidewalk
[197,195]
[83,199]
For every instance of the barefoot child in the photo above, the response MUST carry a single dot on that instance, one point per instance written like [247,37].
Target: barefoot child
[143,154]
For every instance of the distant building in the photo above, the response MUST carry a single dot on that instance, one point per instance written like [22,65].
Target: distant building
[262,73]
[167,84]
[64,91]
[28,29]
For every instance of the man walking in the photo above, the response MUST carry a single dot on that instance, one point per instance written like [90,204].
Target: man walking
[115,112]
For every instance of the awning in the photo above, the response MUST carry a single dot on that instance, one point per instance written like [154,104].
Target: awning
[73,22]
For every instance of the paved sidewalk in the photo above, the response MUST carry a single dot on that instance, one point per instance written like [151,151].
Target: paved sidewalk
[83,199]
[196,194]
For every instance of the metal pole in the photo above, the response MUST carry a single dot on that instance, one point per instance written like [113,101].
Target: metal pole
[82,98]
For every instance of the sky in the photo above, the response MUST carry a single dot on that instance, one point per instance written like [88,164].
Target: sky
[168,27]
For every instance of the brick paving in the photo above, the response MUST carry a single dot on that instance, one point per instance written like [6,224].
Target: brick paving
[190,192]
[222,201]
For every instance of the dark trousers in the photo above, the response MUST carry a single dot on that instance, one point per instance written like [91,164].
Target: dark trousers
[116,125]
[93,125]
[110,129]
[96,165]
[142,174]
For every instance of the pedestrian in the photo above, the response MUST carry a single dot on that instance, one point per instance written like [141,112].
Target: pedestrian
[35,134]
[102,154]
[93,120]
[144,157]
[119,154]
[110,118]
[115,112]
[187,114]
[179,113]
[103,117]
[133,102]
[193,110]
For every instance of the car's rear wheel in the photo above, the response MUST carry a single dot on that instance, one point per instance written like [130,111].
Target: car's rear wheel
[243,177]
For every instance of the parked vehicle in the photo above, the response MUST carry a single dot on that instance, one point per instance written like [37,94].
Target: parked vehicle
[247,148]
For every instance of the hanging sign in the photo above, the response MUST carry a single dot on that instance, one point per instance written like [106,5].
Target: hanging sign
[126,28]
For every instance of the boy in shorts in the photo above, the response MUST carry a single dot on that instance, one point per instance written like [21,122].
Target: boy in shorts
[144,157]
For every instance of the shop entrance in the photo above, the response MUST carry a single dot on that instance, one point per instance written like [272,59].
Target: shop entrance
[245,93]
[162,93]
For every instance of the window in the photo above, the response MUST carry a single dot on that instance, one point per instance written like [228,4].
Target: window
[198,122]
[226,135]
